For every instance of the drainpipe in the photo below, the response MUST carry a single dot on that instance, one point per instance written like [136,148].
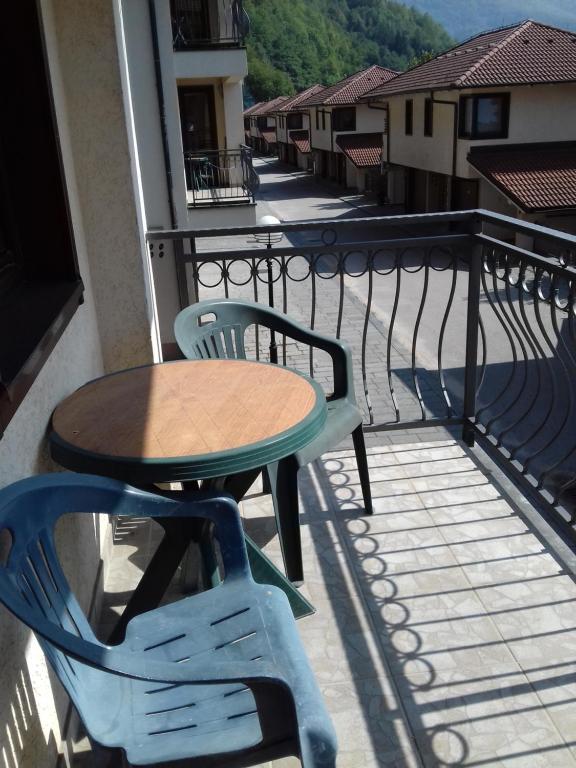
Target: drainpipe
[454,105]
[183,296]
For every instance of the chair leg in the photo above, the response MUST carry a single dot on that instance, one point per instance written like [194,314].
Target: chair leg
[362,461]
[284,485]
[266,487]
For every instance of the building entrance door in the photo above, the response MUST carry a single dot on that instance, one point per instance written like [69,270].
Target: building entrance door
[198,118]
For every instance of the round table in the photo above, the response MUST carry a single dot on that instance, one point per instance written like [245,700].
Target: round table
[187,420]
[218,421]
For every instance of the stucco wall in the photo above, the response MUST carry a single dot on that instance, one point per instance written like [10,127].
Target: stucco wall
[531,108]
[110,330]
[321,139]
[367,121]
[432,153]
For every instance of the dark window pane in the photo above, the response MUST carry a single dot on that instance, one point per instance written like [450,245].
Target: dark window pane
[344,119]
[294,121]
[428,117]
[408,116]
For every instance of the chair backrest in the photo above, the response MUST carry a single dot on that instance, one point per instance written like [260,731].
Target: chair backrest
[33,585]
[216,329]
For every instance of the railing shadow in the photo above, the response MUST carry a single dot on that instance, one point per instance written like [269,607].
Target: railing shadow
[446,703]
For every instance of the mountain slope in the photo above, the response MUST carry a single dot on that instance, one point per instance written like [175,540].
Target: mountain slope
[295,43]
[486,14]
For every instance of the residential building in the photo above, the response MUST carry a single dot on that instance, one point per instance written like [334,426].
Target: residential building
[186,63]
[248,122]
[489,124]
[293,129]
[346,135]
[263,125]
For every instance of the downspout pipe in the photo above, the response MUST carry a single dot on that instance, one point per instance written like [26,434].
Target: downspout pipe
[384,108]
[182,285]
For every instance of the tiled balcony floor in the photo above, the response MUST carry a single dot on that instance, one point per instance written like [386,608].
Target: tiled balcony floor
[445,631]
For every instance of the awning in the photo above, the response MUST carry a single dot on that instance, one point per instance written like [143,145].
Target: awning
[301,141]
[535,177]
[362,149]
[269,135]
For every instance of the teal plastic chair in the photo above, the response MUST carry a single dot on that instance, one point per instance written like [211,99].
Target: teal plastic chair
[217,679]
[216,329]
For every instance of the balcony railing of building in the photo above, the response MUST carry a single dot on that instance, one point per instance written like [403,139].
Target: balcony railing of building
[449,322]
[198,24]
[223,176]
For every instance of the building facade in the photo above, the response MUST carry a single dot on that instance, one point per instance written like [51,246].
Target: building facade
[337,113]
[489,124]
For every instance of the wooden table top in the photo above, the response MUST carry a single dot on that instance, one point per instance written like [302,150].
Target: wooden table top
[196,409]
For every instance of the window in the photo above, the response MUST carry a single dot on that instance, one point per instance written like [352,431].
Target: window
[294,121]
[408,117]
[40,288]
[428,117]
[344,119]
[484,116]
[262,122]
[317,120]
[323,120]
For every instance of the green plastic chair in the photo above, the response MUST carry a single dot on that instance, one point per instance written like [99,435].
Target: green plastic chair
[215,680]
[216,329]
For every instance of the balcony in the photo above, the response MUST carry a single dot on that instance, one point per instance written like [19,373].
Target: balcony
[444,631]
[199,24]
[220,177]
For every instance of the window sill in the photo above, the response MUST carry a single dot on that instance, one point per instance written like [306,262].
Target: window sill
[38,315]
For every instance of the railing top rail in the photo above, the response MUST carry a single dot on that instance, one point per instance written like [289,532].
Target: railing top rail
[544,262]
[338,248]
[534,230]
[330,224]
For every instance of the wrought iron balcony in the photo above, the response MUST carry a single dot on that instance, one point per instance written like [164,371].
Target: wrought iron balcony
[220,177]
[450,325]
[198,24]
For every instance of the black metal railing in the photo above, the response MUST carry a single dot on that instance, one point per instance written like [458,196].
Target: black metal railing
[222,176]
[450,324]
[198,24]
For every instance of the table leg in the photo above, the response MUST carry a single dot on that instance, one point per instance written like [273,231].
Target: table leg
[178,534]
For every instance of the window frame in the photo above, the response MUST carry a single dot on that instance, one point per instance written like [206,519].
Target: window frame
[473,134]
[299,119]
[428,117]
[42,303]
[337,115]
[409,117]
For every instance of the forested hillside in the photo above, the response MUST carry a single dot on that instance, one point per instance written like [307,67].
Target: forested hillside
[295,43]
[487,14]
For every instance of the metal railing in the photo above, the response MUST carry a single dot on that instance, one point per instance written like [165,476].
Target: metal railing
[217,177]
[198,24]
[450,324]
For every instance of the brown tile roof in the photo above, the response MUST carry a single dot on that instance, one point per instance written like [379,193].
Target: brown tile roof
[269,135]
[267,107]
[291,104]
[302,141]
[253,108]
[537,177]
[349,90]
[363,149]
[524,54]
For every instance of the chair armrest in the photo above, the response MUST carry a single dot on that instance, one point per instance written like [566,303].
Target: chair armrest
[338,350]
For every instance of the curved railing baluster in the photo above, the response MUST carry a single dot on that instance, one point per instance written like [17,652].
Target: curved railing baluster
[496,312]
[390,335]
[415,335]
[449,411]
[365,337]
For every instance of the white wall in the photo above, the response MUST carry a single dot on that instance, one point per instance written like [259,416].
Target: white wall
[432,153]
[367,121]
[537,114]
[111,330]
[321,139]
[228,63]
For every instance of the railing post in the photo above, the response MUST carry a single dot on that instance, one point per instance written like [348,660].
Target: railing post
[472,320]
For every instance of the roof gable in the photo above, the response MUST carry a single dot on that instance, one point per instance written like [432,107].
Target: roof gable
[349,90]
[293,102]
[527,53]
